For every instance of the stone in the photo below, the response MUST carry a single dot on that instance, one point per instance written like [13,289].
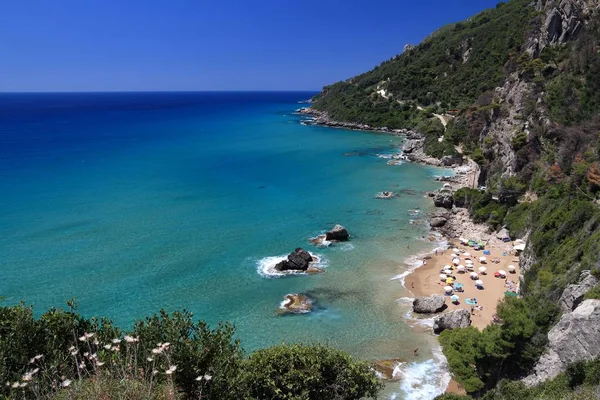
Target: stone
[385,195]
[437,222]
[502,233]
[298,260]
[411,145]
[576,337]
[296,304]
[573,294]
[443,199]
[452,320]
[338,233]
[429,304]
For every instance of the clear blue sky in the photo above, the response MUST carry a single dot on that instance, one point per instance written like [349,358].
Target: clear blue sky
[107,45]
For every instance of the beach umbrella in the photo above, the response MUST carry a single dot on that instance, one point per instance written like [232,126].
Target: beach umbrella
[468,261]
[467,255]
[460,268]
[482,259]
[455,250]
[448,267]
[456,261]
[502,272]
[447,272]
[479,282]
[462,240]
[443,277]
[454,298]
[449,280]
[474,275]
[511,268]
[482,269]
[448,289]
[508,293]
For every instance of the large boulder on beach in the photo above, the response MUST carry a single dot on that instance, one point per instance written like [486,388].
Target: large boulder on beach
[338,233]
[443,199]
[429,304]
[452,320]
[298,260]
[437,222]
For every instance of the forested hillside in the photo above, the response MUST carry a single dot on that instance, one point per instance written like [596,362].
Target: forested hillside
[519,87]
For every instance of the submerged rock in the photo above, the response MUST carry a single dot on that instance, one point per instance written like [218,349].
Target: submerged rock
[298,260]
[429,304]
[385,195]
[338,233]
[296,304]
[452,320]
[385,368]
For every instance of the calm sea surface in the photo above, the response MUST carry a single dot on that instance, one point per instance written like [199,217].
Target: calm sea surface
[133,202]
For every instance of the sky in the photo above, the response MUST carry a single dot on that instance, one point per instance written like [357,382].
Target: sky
[135,45]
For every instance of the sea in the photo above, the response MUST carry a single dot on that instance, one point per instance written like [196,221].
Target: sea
[135,202]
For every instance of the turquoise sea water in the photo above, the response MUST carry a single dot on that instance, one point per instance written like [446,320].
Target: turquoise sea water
[135,202]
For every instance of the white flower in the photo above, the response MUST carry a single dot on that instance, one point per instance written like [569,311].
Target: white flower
[117,340]
[31,361]
[156,351]
[27,377]
[150,359]
[165,345]
[15,385]
[70,348]
[82,365]
[39,356]
[22,385]
[107,346]
[83,338]
[115,348]
[89,335]
[35,371]
[93,356]
[99,363]
[207,377]
[96,342]
[171,369]
[155,372]
[86,354]
[65,383]
[199,378]
[74,352]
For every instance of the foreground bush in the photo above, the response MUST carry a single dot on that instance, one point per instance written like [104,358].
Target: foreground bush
[166,356]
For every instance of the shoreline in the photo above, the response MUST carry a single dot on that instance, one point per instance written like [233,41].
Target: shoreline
[421,278]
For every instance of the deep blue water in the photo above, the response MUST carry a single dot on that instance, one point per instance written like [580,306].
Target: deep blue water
[132,202]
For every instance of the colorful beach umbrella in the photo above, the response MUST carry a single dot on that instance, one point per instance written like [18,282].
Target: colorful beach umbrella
[508,293]
[448,289]
[482,269]
[449,280]
[502,272]
[454,298]
[479,282]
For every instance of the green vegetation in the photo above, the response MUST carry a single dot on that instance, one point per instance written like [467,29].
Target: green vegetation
[579,382]
[448,70]
[63,355]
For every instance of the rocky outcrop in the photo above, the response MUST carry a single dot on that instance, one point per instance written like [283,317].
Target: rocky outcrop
[298,260]
[575,338]
[443,199]
[323,119]
[572,296]
[411,145]
[338,233]
[502,234]
[438,222]
[564,20]
[452,320]
[429,304]
[385,195]
[296,304]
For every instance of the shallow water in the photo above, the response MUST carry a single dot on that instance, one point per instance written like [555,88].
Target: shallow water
[135,202]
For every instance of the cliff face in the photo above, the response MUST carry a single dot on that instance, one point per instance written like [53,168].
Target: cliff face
[520,87]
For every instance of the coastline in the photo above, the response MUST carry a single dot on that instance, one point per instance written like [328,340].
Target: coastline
[422,277]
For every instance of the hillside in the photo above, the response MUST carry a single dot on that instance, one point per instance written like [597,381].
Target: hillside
[519,86]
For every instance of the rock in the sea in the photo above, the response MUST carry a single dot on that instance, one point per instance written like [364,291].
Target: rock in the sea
[437,222]
[338,233]
[452,320]
[297,260]
[385,195]
[429,304]
[296,303]
[572,296]
[443,199]
[576,337]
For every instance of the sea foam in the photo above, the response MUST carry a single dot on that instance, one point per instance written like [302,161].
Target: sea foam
[266,266]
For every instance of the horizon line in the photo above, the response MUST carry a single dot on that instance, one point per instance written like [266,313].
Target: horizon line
[157,91]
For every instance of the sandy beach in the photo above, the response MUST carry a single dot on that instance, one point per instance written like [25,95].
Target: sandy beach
[425,281]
